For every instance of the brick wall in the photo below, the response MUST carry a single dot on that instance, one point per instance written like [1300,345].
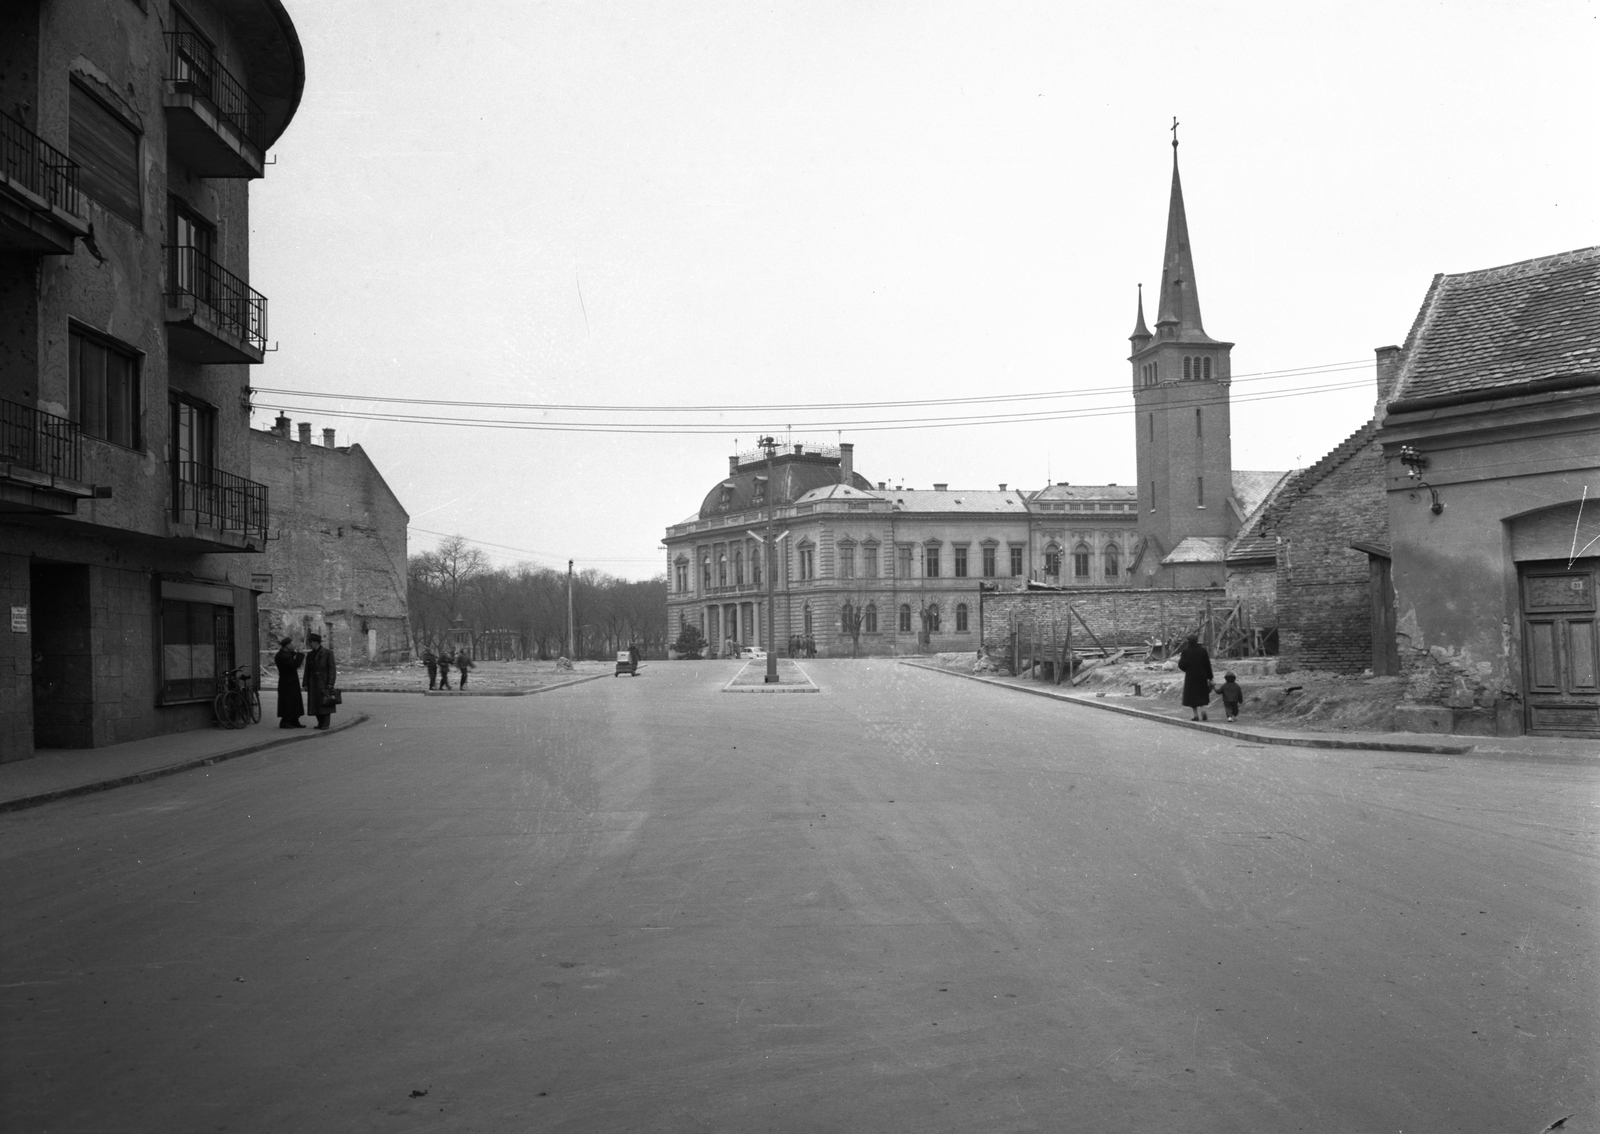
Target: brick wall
[1323,584]
[1120,617]
[1257,588]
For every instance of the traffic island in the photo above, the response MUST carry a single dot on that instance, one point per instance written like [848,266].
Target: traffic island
[753,679]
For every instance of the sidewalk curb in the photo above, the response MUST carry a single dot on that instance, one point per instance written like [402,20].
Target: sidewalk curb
[1224,730]
[23,802]
[528,692]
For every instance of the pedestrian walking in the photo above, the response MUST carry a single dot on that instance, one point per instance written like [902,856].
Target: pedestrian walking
[291,706]
[321,682]
[463,666]
[1232,696]
[1195,662]
[431,660]
[444,669]
[633,655]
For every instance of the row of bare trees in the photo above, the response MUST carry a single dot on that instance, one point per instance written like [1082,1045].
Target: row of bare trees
[522,611]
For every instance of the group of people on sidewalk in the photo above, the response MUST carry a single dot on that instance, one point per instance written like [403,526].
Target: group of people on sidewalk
[439,666]
[320,678]
[1195,662]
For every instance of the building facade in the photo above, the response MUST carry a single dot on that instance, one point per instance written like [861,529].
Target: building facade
[335,562]
[128,517]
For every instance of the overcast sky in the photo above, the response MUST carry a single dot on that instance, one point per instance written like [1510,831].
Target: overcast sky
[751,204]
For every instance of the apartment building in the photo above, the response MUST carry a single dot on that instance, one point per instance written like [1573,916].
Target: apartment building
[129,133]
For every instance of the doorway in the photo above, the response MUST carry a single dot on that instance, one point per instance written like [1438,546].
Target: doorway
[63,662]
[1561,648]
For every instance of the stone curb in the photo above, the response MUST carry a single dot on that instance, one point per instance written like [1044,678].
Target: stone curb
[1224,730]
[524,692]
[809,687]
[23,802]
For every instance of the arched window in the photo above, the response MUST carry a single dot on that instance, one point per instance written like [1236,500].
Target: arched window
[705,572]
[1080,561]
[807,614]
[845,616]
[1052,559]
[869,622]
[933,618]
[1187,364]
[961,617]
[1113,558]
[905,618]
[681,571]
[1208,369]
[738,567]
[722,570]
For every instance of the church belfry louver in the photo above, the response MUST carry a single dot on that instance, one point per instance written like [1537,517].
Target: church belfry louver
[1180,396]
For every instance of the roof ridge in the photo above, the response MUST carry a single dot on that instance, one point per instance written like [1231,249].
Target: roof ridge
[1533,263]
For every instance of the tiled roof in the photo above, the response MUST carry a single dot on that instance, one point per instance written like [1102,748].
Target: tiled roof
[795,478]
[1251,487]
[1505,327]
[837,492]
[956,500]
[1250,543]
[1061,492]
[1198,549]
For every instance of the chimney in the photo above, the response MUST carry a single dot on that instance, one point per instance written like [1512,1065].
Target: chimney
[281,425]
[1388,373]
[733,464]
[1002,486]
[327,438]
[881,485]
[847,462]
[305,433]
[798,449]
[940,487]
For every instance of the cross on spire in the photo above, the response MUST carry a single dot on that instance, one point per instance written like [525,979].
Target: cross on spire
[1174,132]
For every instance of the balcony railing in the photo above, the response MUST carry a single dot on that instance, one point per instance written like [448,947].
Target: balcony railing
[208,497]
[39,441]
[192,69]
[241,310]
[38,166]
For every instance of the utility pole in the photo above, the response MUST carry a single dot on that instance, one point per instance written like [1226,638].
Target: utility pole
[572,645]
[771,446]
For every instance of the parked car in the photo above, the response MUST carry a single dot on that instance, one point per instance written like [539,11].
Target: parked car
[753,653]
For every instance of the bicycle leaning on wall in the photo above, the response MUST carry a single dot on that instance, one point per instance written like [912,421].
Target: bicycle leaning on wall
[239,701]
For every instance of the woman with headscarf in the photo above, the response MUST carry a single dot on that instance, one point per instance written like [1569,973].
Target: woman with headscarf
[1195,662]
[291,706]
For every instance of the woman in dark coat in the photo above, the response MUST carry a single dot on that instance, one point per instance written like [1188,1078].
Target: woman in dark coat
[1196,665]
[291,707]
[321,680]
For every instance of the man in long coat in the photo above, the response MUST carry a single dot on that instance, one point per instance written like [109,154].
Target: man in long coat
[431,661]
[322,676]
[1195,662]
[291,707]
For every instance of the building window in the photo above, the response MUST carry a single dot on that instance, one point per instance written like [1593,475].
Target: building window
[1152,496]
[105,397]
[807,619]
[931,617]
[1199,430]
[705,573]
[1052,560]
[1207,362]
[191,451]
[905,618]
[847,561]
[106,149]
[196,649]
[738,568]
[869,560]
[1152,427]
[1200,491]
[1113,561]
[930,562]
[961,563]
[1187,373]
[759,496]
[722,570]
[988,563]
[846,611]
[961,617]
[756,555]
[726,499]
[870,621]
[904,556]
[1080,561]
[808,562]
[1016,562]
[683,575]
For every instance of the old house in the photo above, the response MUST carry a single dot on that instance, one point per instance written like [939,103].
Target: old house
[335,561]
[1490,452]
[129,519]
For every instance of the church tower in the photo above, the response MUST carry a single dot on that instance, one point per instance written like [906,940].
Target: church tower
[1180,397]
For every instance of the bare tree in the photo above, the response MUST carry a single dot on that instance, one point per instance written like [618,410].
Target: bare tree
[851,615]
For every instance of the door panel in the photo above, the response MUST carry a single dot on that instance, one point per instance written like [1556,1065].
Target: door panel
[1561,648]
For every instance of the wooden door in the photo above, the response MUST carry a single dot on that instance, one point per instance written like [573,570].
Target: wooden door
[1561,649]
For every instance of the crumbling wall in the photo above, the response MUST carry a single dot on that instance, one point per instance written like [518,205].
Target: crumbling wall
[1124,616]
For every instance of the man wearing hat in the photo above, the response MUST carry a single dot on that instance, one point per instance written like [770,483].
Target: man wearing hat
[290,705]
[322,694]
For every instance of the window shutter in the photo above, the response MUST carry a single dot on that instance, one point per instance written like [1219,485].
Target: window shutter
[107,150]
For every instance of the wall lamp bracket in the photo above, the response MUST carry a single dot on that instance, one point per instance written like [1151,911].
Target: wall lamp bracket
[1414,461]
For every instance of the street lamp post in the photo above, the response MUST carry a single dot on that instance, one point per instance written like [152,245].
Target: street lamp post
[771,446]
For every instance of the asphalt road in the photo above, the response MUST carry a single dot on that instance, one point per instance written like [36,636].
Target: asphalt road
[909,903]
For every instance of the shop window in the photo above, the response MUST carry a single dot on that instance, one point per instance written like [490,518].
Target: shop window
[105,396]
[196,649]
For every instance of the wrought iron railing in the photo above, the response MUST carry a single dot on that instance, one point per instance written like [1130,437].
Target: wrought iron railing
[240,308]
[209,497]
[39,441]
[39,166]
[192,68]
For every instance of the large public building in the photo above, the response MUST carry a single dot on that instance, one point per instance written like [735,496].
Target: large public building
[130,525]
[868,568]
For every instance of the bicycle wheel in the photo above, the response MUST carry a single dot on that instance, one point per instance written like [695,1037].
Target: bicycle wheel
[223,707]
[252,697]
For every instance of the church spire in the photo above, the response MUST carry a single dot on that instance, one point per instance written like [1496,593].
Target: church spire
[1141,333]
[1179,315]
